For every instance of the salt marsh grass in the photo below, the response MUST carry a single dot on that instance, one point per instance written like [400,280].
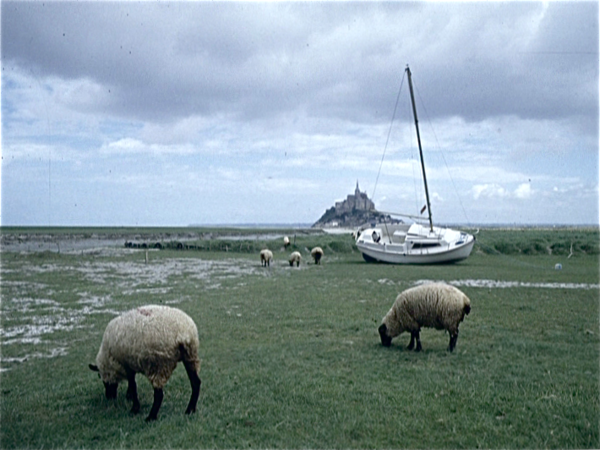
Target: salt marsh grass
[291,357]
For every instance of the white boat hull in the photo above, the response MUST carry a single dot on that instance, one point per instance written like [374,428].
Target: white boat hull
[414,245]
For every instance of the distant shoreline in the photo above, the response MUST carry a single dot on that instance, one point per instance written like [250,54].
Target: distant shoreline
[256,226]
[499,238]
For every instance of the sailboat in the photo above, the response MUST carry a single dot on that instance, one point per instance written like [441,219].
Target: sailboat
[415,243]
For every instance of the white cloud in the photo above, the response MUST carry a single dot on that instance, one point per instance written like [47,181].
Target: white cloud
[491,190]
[80,94]
[131,146]
[495,190]
[524,191]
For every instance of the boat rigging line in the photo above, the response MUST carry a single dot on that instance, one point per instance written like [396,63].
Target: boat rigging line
[443,156]
[388,136]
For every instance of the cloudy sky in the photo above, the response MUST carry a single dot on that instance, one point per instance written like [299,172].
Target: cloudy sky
[178,113]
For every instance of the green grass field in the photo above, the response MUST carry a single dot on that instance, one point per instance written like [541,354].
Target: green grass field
[291,358]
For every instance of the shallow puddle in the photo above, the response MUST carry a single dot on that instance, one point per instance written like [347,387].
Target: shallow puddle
[497,284]
[33,312]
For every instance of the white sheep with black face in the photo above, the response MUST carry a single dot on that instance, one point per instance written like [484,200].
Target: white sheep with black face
[295,257]
[435,305]
[266,256]
[317,254]
[150,340]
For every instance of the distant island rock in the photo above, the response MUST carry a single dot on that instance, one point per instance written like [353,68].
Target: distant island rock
[356,210]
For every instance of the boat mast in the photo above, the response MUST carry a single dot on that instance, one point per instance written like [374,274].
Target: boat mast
[414,108]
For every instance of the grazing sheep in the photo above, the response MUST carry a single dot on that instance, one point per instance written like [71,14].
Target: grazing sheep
[286,242]
[435,305]
[151,340]
[295,257]
[317,254]
[266,256]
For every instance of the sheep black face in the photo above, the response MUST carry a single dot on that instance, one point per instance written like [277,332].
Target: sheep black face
[386,341]
[109,388]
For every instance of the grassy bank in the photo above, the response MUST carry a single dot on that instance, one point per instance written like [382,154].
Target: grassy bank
[494,241]
[491,241]
[291,357]
[561,241]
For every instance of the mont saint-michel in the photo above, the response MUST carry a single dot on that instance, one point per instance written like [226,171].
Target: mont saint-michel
[357,209]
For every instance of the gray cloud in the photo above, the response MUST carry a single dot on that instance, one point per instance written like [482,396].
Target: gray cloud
[163,61]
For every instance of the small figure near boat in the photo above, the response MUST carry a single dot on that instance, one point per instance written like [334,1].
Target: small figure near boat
[376,237]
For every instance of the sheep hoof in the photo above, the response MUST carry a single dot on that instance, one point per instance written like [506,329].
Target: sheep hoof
[151,417]
[190,410]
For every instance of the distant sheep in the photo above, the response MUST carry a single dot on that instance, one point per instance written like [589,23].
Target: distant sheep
[295,257]
[266,256]
[151,340]
[286,242]
[435,305]
[317,254]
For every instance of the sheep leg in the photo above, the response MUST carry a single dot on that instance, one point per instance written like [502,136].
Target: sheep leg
[158,398]
[415,336]
[411,344]
[418,338]
[195,382]
[453,339]
[132,393]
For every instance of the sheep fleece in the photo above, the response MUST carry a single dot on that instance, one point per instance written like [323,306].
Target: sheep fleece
[435,305]
[317,254]
[266,255]
[148,340]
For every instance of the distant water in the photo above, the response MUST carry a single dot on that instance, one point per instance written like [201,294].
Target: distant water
[253,225]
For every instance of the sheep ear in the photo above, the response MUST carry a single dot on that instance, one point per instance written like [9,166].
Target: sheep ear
[94,368]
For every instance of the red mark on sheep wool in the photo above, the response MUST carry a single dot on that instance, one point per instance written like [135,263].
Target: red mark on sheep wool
[144,312]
